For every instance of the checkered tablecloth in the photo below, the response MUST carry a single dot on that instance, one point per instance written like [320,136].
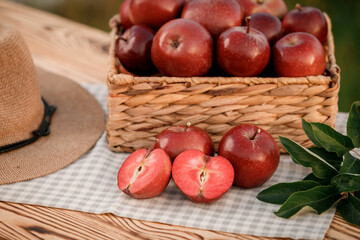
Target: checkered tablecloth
[90,185]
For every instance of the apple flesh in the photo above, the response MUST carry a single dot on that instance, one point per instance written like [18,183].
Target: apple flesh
[243,51]
[215,15]
[145,173]
[253,153]
[306,19]
[182,48]
[124,14]
[202,178]
[268,24]
[177,139]
[298,54]
[154,13]
[134,50]
[275,7]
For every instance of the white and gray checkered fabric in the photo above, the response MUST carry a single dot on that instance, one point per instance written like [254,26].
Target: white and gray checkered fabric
[90,185]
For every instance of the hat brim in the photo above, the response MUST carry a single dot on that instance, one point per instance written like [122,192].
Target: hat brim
[76,126]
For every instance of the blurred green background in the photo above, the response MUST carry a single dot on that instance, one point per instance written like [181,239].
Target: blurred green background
[344,15]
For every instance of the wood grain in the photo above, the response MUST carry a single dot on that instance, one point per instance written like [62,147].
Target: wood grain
[60,45]
[37,222]
[80,52]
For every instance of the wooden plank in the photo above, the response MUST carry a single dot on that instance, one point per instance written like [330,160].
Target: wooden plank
[29,221]
[80,52]
[19,221]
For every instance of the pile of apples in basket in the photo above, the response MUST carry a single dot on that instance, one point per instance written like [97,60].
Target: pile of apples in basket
[189,38]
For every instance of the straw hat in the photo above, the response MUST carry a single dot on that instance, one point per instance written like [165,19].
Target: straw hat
[29,146]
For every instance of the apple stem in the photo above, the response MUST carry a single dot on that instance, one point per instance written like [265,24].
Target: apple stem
[260,1]
[188,124]
[298,6]
[149,150]
[248,20]
[124,39]
[258,131]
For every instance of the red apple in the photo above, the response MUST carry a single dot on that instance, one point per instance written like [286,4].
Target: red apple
[253,153]
[177,139]
[243,51]
[182,48]
[215,15]
[298,54]
[145,173]
[306,19]
[202,178]
[134,50]
[124,14]
[268,24]
[154,13]
[275,7]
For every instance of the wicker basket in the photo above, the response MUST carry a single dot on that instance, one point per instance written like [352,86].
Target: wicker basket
[141,107]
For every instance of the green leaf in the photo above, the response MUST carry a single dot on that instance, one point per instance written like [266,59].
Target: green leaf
[349,209]
[278,193]
[319,198]
[329,157]
[346,182]
[332,140]
[309,132]
[353,124]
[312,177]
[307,158]
[350,164]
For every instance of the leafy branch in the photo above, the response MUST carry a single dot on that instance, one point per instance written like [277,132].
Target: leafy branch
[335,177]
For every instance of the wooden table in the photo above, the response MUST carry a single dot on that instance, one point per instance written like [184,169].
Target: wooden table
[80,52]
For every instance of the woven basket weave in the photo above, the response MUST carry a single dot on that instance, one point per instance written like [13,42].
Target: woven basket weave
[141,107]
